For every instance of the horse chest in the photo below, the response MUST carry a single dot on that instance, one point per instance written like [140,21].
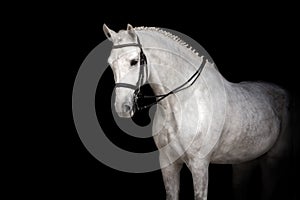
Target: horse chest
[166,134]
[166,131]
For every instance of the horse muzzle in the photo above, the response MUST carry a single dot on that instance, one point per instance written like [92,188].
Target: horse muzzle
[125,110]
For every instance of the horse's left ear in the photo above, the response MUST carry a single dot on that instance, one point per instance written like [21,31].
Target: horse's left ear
[130,30]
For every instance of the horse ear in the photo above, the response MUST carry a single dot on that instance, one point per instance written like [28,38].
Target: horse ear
[130,30]
[108,33]
[129,27]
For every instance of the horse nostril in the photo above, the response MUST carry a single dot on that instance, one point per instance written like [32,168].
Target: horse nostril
[127,107]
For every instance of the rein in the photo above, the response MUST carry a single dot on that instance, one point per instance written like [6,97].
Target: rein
[137,95]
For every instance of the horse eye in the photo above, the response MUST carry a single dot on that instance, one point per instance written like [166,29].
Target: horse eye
[133,62]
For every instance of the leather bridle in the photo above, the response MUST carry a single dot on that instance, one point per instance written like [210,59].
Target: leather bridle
[137,95]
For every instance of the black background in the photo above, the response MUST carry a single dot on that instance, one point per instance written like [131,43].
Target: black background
[247,42]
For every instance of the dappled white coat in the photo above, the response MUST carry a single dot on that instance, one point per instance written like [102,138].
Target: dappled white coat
[213,121]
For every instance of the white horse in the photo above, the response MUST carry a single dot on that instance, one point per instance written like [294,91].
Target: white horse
[206,120]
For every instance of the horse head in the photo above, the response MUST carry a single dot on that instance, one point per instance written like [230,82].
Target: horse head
[128,64]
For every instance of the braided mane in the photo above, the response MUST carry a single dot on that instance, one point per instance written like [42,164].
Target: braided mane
[169,35]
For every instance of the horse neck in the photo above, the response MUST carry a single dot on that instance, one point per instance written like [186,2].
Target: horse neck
[171,64]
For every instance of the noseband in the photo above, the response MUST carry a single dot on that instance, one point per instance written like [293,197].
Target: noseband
[137,95]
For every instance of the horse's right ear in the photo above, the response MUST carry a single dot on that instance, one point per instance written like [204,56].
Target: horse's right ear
[108,33]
